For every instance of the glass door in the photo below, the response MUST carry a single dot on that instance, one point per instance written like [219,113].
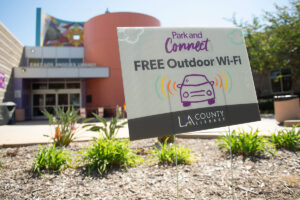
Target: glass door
[63,101]
[75,100]
[38,105]
[50,102]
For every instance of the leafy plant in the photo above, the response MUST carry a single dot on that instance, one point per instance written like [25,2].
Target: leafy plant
[106,154]
[232,140]
[51,159]
[289,139]
[168,139]
[246,143]
[64,125]
[109,130]
[167,153]
[0,161]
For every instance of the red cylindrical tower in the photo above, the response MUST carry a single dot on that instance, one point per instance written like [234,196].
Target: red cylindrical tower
[101,47]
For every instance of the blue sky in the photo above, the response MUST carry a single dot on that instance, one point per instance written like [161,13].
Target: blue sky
[19,16]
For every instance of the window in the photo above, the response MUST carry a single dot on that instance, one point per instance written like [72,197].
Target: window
[39,86]
[281,80]
[48,62]
[76,61]
[73,85]
[89,98]
[56,86]
[74,99]
[62,99]
[32,62]
[63,62]
[50,99]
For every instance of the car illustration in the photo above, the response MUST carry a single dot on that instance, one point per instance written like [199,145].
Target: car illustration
[196,88]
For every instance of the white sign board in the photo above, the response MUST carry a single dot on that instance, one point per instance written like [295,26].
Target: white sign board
[179,80]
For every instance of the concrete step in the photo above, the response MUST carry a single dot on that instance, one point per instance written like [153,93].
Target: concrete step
[291,123]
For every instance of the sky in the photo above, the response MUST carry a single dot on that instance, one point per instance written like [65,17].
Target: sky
[19,16]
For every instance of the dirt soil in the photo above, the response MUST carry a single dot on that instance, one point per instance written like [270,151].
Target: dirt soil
[208,177]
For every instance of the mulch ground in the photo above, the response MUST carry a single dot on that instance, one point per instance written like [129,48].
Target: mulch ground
[208,177]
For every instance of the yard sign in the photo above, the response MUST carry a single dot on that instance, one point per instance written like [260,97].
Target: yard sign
[179,80]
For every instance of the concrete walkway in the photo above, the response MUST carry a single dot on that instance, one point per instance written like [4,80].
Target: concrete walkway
[32,132]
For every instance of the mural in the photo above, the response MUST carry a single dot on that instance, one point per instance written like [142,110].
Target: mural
[2,80]
[57,32]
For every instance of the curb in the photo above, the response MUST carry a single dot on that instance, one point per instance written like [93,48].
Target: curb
[31,144]
[22,144]
[41,143]
[198,136]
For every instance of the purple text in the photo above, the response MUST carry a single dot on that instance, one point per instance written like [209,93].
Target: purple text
[199,45]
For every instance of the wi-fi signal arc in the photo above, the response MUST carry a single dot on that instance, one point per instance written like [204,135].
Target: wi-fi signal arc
[221,80]
[230,80]
[226,86]
[227,82]
[174,86]
[161,85]
[169,83]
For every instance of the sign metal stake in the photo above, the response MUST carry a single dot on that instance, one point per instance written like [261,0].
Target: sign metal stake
[177,174]
[231,164]
[176,161]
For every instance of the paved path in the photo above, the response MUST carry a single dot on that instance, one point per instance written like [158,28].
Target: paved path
[32,132]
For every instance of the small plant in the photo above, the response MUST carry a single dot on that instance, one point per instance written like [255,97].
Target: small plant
[0,161]
[109,130]
[289,139]
[246,143]
[167,153]
[64,125]
[168,139]
[50,159]
[106,154]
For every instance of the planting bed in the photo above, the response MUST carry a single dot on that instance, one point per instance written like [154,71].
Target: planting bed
[208,177]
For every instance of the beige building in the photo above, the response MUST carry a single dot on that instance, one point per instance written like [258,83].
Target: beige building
[11,51]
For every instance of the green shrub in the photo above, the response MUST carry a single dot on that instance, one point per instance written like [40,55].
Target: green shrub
[106,154]
[168,139]
[166,154]
[64,125]
[246,143]
[289,139]
[51,159]
[109,130]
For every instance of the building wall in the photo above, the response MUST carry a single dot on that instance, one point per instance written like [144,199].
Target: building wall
[11,51]
[263,87]
[101,47]
[262,84]
[53,52]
